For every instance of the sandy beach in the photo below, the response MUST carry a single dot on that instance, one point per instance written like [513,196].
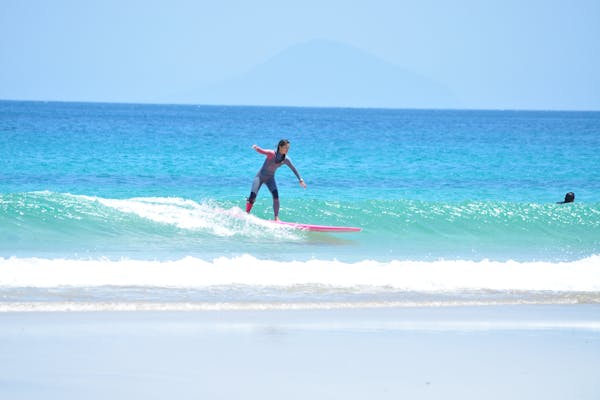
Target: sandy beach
[492,352]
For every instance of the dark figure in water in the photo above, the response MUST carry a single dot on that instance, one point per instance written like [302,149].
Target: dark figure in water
[569,198]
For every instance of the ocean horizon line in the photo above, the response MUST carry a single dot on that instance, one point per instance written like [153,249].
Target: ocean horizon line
[282,106]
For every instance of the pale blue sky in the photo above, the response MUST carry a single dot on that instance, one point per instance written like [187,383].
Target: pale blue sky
[490,54]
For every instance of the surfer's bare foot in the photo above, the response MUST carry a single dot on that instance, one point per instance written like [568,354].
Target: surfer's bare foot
[276,218]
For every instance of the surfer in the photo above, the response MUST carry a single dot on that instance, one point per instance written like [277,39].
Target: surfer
[275,159]
[569,198]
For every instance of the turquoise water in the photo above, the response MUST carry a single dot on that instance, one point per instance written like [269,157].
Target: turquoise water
[136,184]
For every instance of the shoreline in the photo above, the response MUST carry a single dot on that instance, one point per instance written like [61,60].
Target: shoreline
[449,317]
[9,307]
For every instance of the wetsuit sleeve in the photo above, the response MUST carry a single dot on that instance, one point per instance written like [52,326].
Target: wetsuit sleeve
[288,162]
[263,151]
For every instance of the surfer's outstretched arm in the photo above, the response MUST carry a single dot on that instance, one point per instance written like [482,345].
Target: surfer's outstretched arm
[262,151]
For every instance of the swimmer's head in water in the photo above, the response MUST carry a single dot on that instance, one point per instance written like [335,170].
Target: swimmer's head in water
[570,197]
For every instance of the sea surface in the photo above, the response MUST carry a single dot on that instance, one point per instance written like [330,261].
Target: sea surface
[127,206]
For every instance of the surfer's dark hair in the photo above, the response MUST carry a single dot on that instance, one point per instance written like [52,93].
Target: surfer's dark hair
[282,142]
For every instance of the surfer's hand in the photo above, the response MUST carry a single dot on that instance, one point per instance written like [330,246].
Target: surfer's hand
[303,184]
[254,146]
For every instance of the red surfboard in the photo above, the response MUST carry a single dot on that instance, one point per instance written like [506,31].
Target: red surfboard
[318,228]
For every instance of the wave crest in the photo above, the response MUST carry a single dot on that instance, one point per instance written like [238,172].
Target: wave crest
[190,272]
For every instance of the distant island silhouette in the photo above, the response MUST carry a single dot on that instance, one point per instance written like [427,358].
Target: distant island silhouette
[324,73]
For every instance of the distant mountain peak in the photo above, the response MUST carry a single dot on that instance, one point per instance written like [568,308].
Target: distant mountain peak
[330,74]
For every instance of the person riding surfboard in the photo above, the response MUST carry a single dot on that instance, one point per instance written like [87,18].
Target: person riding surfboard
[274,160]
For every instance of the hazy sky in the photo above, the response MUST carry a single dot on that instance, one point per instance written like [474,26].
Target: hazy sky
[491,54]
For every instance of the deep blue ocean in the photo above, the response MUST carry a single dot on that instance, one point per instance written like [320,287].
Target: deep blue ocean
[149,198]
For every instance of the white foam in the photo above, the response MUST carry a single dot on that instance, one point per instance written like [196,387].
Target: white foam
[83,306]
[190,215]
[190,272]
